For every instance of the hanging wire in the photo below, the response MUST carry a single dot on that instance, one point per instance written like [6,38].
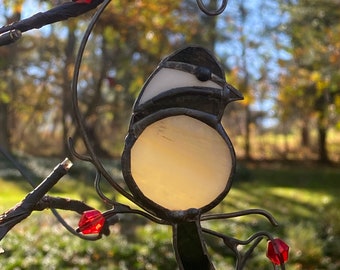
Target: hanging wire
[92,156]
[203,7]
[98,188]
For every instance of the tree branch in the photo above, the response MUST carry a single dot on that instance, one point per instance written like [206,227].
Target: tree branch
[24,209]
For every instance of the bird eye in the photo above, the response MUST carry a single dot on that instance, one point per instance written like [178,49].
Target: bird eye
[203,74]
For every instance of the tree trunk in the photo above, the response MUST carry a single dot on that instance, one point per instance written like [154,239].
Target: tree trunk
[67,78]
[323,152]
[245,83]
[247,135]
[305,140]
[8,57]
[322,105]
[4,128]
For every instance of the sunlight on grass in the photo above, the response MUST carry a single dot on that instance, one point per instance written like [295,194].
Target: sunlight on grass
[11,194]
[304,196]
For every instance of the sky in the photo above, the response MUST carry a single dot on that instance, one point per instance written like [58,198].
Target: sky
[261,14]
[30,8]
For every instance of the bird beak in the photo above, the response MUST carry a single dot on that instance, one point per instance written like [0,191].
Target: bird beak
[231,93]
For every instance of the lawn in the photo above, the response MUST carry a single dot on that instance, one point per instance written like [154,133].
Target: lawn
[303,198]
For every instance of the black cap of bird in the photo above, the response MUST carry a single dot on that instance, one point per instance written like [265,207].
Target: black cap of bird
[189,78]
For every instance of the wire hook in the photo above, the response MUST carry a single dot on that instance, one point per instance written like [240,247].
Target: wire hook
[209,12]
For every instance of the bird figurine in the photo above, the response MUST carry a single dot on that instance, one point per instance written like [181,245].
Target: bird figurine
[178,161]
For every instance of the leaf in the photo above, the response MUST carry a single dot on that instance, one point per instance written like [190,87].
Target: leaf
[4,97]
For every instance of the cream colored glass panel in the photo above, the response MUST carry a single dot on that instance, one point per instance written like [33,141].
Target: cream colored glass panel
[167,78]
[180,163]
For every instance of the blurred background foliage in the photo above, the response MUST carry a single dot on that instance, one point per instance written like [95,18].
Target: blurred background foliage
[284,56]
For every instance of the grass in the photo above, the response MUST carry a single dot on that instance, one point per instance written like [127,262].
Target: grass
[303,198]
[10,193]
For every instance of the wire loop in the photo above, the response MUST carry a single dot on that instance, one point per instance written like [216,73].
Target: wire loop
[203,7]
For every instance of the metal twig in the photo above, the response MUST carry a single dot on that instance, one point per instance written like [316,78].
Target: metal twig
[22,210]
[261,212]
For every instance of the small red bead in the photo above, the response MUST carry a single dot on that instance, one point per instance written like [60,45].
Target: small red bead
[83,1]
[277,251]
[91,222]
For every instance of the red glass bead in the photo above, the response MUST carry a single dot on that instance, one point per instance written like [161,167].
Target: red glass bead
[277,251]
[83,1]
[91,222]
